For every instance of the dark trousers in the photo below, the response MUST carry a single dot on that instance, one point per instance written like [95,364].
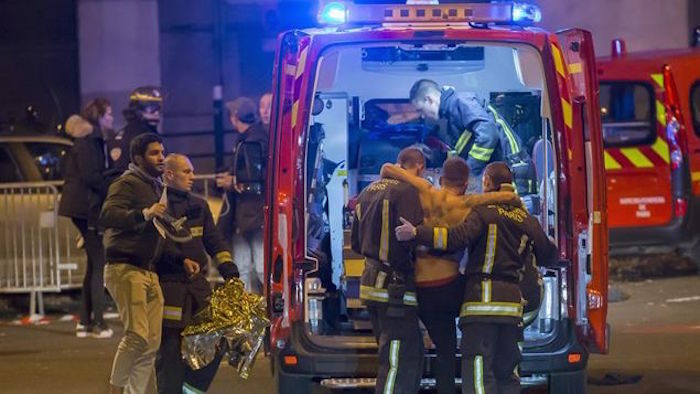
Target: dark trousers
[490,358]
[438,308]
[400,349]
[93,293]
[171,370]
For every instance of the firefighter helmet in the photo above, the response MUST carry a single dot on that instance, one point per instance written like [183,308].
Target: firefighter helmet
[145,102]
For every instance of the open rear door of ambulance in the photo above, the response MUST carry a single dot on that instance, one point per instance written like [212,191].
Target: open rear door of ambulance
[591,270]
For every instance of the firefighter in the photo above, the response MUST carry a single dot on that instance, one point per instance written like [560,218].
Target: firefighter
[500,238]
[185,294]
[142,116]
[132,249]
[387,286]
[439,284]
[475,131]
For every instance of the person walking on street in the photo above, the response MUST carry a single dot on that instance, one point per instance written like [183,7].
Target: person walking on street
[187,293]
[501,239]
[83,193]
[142,116]
[244,220]
[387,286]
[133,247]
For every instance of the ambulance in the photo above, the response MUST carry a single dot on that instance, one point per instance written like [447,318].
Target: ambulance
[650,111]
[341,110]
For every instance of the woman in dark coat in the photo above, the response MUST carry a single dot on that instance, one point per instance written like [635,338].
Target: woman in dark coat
[83,193]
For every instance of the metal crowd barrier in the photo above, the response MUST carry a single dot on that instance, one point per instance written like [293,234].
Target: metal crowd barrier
[38,249]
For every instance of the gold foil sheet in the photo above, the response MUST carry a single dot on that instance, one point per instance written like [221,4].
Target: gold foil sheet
[233,324]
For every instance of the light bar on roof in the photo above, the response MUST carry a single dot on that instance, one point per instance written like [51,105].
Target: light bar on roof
[426,11]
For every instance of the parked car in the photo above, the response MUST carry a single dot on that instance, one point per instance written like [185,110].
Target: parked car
[38,249]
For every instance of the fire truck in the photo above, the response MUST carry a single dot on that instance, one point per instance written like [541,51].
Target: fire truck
[650,110]
[341,110]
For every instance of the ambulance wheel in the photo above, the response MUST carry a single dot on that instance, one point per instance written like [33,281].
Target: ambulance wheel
[290,384]
[568,383]
[694,254]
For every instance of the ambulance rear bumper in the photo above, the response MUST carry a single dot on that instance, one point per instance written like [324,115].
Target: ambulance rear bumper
[358,366]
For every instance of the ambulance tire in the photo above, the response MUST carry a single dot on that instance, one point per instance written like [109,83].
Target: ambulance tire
[568,383]
[694,254]
[289,384]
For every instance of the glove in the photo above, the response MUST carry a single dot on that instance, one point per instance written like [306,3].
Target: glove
[228,270]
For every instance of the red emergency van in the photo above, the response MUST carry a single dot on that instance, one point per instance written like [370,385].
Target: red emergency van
[341,110]
[650,110]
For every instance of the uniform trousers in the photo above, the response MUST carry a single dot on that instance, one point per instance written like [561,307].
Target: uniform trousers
[490,358]
[400,349]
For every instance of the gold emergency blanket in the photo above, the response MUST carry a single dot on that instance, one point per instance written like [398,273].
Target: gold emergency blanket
[234,323]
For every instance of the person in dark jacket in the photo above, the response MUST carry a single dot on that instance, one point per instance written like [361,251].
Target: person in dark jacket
[476,132]
[184,294]
[142,116]
[84,191]
[243,221]
[133,247]
[388,286]
[501,238]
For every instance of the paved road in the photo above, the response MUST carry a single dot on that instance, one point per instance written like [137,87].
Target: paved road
[656,333]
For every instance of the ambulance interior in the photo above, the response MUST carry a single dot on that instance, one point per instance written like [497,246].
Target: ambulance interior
[362,118]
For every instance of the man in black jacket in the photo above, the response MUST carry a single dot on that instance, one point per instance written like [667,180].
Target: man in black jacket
[501,239]
[388,286]
[184,294]
[133,246]
[243,222]
[142,116]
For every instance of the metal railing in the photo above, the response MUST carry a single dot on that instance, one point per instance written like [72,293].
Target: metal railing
[38,249]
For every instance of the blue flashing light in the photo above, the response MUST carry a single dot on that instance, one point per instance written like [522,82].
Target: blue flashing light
[526,13]
[333,13]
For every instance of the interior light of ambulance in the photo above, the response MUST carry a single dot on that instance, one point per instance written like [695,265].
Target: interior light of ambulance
[333,13]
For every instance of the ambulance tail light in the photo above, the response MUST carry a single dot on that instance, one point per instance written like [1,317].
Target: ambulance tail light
[681,207]
[676,155]
[674,121]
